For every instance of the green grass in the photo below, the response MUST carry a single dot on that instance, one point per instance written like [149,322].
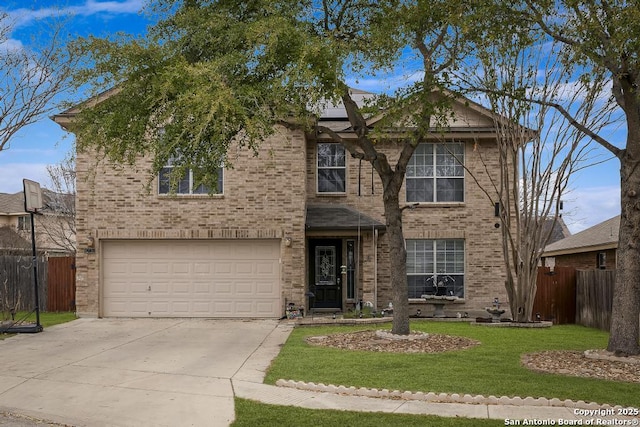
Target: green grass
[249,413]
[492,368]
[51,319]
[46,319]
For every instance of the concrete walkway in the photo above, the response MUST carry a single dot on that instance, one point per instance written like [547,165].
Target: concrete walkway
[167,372]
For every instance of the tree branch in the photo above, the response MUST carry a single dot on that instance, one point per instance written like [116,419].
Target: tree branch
[582,128]
[570,118]
[353,147]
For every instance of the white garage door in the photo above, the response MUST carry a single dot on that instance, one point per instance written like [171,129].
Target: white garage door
[195,278]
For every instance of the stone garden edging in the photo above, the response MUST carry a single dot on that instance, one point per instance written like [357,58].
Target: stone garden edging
[441,397]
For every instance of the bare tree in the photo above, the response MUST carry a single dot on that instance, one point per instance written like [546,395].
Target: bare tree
[600,38]
[539,149]
[12,247]
[59,223]
[30,78]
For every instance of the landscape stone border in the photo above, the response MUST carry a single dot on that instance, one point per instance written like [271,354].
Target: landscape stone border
[600,354]
[414,335]
[542,324]
[441,397]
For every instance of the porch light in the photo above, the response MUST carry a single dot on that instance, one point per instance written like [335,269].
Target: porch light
[287,241]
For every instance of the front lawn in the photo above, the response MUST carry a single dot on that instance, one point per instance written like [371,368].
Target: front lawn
[492,368]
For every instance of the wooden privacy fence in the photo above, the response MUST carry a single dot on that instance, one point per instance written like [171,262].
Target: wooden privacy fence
[556,295]
[61,284]
[56,283]
[567,295]
[594,298]
[16,282]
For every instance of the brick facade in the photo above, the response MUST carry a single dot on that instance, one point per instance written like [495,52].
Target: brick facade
[587,260]
[473,221]
[259,201]
[266,196]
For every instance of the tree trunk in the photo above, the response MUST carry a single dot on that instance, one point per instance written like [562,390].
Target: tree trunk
[392,180]
[398,262]
[523,299]
[625,330]
[521,283]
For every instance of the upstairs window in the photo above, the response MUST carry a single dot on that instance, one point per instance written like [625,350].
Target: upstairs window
[331,168]
[435,173]
[186,184]
[24,223]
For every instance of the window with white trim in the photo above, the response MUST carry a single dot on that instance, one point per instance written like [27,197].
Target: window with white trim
[24,223]
[331,168]
[186,184]
[435,173]
[435,267]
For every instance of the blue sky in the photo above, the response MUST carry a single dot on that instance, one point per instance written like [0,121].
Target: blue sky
[44,142]
[593,198]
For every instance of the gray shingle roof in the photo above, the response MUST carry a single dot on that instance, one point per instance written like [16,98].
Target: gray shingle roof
[339,217]
[559,231]
[12,203]
[600,236]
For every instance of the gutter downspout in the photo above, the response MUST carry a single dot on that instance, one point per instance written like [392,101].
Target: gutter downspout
[375,269]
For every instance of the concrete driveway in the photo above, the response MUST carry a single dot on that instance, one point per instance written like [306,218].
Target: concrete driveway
[136,372]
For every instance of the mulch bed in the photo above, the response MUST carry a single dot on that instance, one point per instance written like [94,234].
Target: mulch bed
[369,341]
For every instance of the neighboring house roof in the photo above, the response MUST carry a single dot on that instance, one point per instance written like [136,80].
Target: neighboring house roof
[560,230]
[12,204]
[339,217]
[60,203]
[599,237]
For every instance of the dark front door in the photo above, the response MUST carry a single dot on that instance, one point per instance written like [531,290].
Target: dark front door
[325,279]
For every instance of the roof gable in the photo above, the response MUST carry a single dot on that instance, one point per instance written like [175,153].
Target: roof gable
[557,229]
[466,114]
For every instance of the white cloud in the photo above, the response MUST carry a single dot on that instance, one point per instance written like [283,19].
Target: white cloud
[127,6]
[405,73]
[11,45]
[13,174]
[24,16]
[589,206]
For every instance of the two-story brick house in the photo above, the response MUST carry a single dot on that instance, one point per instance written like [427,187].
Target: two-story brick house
[302,218]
